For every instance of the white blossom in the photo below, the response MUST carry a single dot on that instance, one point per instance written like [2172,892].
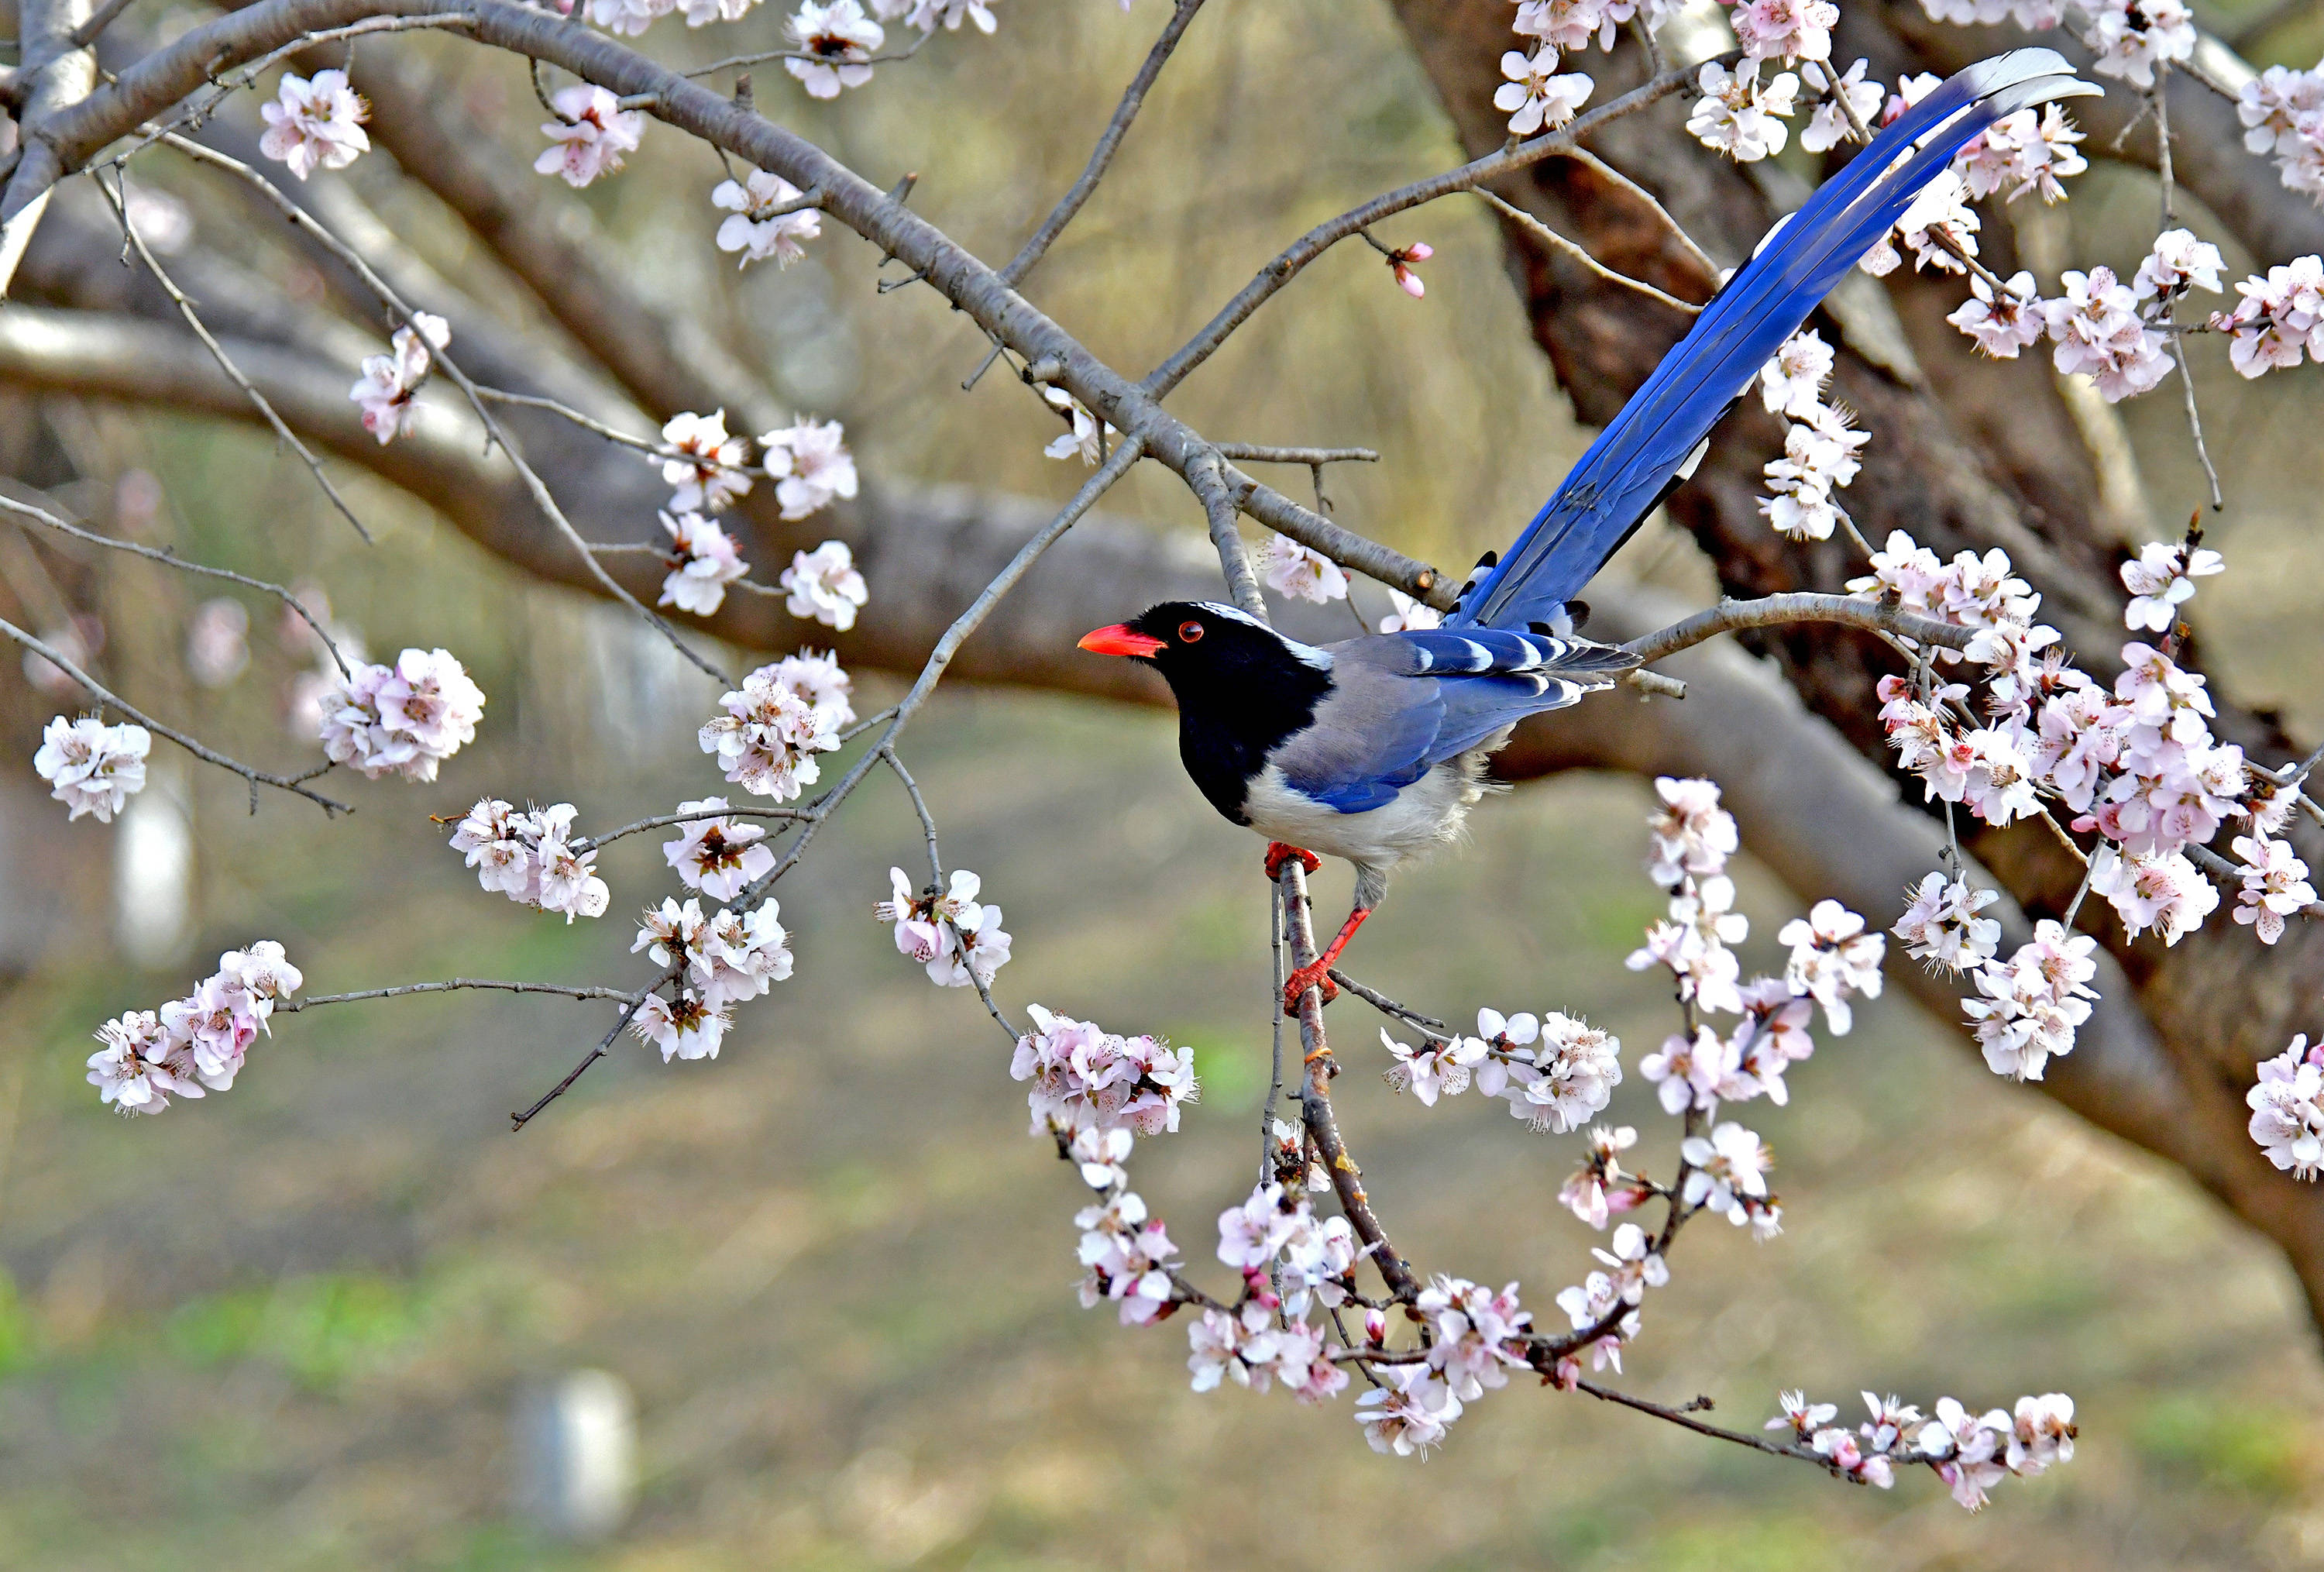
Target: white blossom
[708,562]
[1086,435]
[1301,574]
[404,720]
[590,135]
[315,123]
[1535,98]
[1739,115]
[812,466]
[392,381]
[824,585]
[2287,1108]
[707,473]
[2274,885]
[1942,926]
[92,767]
[755,227]
[840,38]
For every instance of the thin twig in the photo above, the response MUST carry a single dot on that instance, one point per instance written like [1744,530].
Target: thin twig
[293,1006]
[1580,253]
[1288,264]
[662,820]
[1678,232]
[1257,453]
[104,695]
[1702,1427]
[103,17]
[733,62]
[1315,1096]
[226,362]
[1773,610]
[1384,1004]
[171,558]
[534,486]
[1037,244]
[812,819]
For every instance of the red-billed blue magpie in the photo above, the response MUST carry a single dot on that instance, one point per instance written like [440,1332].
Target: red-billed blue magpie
[1374,749]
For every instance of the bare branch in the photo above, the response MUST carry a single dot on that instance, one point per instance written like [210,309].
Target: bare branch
[1574,249]
[1037,244]
[533,484]
[450,984]
[283,430]
[169,558]
[1768,611]
[257,778]
[1295,256]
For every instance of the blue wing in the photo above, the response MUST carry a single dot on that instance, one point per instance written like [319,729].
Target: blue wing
[1636,459]
[1403,702]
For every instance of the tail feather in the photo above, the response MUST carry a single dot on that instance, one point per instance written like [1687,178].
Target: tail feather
[1648,446]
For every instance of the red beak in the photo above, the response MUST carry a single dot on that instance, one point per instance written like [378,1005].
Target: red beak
[1119,640]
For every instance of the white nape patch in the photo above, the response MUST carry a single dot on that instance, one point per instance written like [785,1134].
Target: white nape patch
[1694,460]
[1308,654]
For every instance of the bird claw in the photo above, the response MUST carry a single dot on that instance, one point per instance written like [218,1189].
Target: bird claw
[1317,974]
[1281,851]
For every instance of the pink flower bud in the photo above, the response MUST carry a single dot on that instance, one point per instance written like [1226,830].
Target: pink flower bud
[1409,281]
[1420,251]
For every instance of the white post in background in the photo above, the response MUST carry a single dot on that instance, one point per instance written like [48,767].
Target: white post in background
[576,1454]
[153,868]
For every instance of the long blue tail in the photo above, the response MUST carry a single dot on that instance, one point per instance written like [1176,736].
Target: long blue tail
[1639,455]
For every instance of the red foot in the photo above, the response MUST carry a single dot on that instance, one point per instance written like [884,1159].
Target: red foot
[1281,851]
[1311,975]
[1316,973]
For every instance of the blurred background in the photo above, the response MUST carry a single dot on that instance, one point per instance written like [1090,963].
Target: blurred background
[313,1322]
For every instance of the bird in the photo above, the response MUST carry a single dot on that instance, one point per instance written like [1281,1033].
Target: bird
[1375,748]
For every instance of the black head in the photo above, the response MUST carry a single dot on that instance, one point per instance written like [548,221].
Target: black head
[1208,650]
[1241,687]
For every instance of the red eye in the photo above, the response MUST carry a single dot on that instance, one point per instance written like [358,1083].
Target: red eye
[1189,632]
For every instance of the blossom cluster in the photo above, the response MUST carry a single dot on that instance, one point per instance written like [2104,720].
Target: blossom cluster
[404,720]
[2282,112]
[1820,446]
[197,1044]
[315,123]
[1832,961]
[1970,1452]
[92,767]
[2287,1108]
[2276,323]
[390,384]
[1084,1077]
[1096,1092]
[769,730]
[533,857]
[1554,1070]
[956,936]
[721,960]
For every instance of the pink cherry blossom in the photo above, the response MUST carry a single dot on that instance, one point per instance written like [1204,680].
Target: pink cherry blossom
[315,123]
[590,135]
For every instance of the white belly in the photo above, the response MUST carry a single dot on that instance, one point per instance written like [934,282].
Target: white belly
[1425,815]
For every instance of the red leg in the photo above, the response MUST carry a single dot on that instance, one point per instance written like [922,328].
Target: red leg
[1315,974]
[1281,851]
